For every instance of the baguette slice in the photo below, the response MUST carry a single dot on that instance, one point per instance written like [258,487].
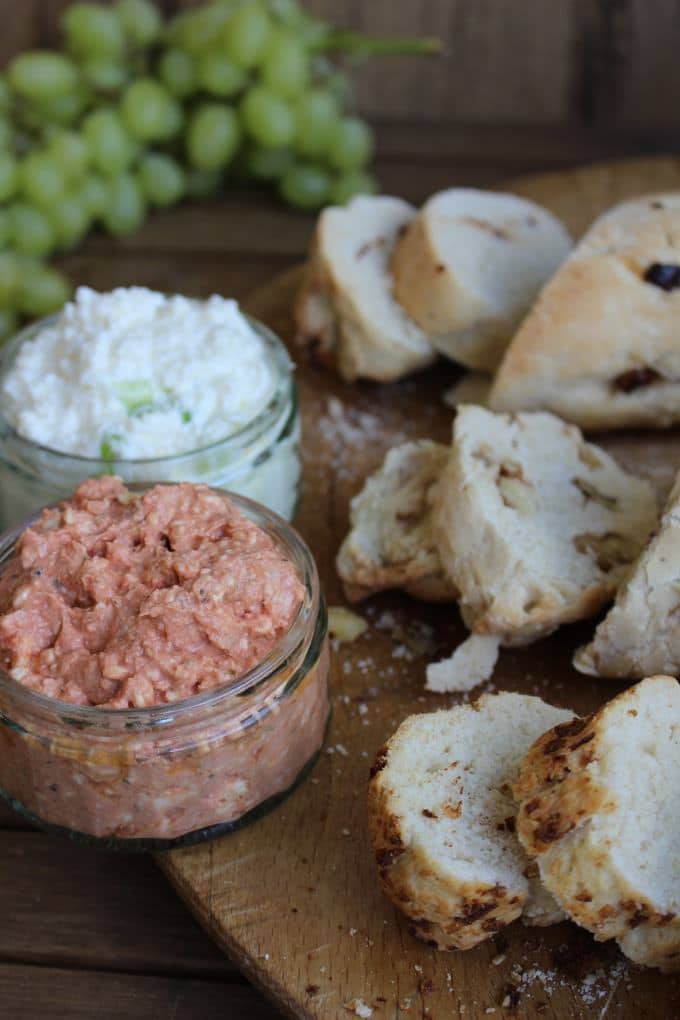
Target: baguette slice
[535,527]
[469,266]
[600,346]
[599,812]
[442,819]
[346,313]
[390,544]
[641,633]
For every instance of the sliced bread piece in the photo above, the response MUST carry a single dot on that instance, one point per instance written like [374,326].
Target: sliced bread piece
[534,526]
[598,811]
[390,544]
[471,664]
[346,314]
[442,819]
[469,266]
[600,346]
[640,635]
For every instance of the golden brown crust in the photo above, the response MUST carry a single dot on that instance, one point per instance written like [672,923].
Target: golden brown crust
[444,916]
[566,795]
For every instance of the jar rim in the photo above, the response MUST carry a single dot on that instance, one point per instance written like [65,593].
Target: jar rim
[283,395]
[302,626]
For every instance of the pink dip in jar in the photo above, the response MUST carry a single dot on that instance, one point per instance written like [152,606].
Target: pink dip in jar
[164,660]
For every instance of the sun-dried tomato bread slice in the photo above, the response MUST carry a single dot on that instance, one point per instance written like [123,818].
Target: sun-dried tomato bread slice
[390,544]
[535,527]
[469,266]
[600,346]
[442,819]
[640,635]
[599,812]
[346,314]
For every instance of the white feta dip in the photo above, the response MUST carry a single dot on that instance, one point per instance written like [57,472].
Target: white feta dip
[133,374]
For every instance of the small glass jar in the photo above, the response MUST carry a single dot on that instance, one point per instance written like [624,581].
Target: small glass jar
[167,776]
[261,460]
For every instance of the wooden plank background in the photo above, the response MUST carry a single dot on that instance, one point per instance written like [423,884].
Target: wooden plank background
[576,63]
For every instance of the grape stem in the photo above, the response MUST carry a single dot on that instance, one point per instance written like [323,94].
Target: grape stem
[359,45]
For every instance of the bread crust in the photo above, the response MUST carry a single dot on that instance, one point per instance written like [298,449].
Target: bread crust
[566,797]
[599,347]
[445,910]
[493,504]
[390,544]
[333,322]
[456,305]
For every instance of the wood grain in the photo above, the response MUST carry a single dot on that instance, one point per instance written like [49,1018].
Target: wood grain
[29,993]
[598,62]
[66,906]
[294,899]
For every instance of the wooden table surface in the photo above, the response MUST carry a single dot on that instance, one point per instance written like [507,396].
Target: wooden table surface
[85,933]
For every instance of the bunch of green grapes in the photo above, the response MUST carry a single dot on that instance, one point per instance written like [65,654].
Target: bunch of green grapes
[138,113]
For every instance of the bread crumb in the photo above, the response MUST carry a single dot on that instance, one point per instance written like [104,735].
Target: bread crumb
[359,1008]
[471,664]
[344,625]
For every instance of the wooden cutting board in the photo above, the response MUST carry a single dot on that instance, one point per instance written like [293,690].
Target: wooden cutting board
[293,898]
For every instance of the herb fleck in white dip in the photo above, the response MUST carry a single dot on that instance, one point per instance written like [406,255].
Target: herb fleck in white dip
[134,374]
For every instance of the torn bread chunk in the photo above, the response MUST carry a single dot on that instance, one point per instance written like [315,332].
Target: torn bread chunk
[534,526]
[640,635]
[600,345]
[346,314]
[390,544]
[469,266]
[598,811]
[442,819]
[470,665]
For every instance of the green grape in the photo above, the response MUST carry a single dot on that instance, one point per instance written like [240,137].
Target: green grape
[95,195]
[9,176]
[32,233]
[141,20]
[5,228]
[6,134]
[149,111]
[268,119]
[268,164]
[9,324]
[111,148]
[196,31]
[161,179]
[218,75]
[64,110]
[70,152]
[5,95]
[10,277]
[40,178]
[41,75]
[351,144]
[284,66]
[350,184]
[213,136]
[70,219]
[306,186]
[177,71]
[42,291]
[203,183]
[105,75]
[246,34]
[92,30]
[127,208]
[316,115]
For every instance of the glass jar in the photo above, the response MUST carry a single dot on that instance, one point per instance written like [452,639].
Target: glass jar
[260,460]
[175,774]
